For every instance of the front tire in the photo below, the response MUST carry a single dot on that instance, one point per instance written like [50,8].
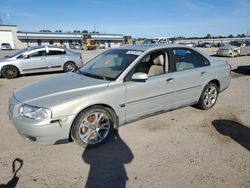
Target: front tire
[236,54]
[92,127]
[208,96]
[69,67]
[10,72]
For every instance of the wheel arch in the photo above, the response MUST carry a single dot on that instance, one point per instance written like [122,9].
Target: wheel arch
[19,71]
[217,82]
[69,61]
[106,106]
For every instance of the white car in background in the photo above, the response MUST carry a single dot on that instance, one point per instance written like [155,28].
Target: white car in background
[39,59]
[234,49]
[6,46]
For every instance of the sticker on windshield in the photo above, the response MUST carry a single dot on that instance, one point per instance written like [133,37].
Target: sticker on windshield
[134,52]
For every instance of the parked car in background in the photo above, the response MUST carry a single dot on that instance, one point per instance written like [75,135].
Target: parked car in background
[118,86]
[205,45]
[39,59]
[234,49]
[188,44]
[161,40]
[6,46]
[102,45]
[75,46]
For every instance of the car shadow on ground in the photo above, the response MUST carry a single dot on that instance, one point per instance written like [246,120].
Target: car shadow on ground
[107,163]
[234,130]
[242,70]
[16,166]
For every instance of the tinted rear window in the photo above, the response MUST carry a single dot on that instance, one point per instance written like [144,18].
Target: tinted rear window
[56,52]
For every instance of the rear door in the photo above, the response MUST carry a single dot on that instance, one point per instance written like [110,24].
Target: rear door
[56,59]
[34,61]
[189,74]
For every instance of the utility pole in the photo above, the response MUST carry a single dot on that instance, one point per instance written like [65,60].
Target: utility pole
[8,18]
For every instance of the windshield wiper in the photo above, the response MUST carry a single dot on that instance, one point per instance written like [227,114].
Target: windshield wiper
[94,75]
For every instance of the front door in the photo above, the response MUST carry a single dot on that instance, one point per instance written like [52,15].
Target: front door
[153,95]
[35,62]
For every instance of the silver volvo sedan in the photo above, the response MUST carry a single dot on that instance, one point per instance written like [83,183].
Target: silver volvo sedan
[39,59]
[118,86]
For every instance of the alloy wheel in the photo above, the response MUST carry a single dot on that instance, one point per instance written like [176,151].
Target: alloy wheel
[94,128]
[210,96]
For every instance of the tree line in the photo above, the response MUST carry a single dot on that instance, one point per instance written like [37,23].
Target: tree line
[60,31]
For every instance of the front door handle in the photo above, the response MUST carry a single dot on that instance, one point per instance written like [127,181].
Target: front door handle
[170,80]
[203,73]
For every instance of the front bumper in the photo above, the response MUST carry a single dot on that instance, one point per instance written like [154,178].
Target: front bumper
[79,64]
[227,53]
[41,132]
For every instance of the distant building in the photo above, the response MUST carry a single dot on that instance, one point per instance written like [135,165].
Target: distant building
[21,39]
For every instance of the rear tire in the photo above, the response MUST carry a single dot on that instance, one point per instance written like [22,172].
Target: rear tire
[93,126]
[69,67]
[208,96]
[10,72]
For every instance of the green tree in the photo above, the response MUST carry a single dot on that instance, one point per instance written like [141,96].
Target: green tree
[85,31]
[209,36]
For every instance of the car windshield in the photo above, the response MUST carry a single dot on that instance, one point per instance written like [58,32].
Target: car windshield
[23,50]
[110,64]
[236,43]
[150,41]
[17,53]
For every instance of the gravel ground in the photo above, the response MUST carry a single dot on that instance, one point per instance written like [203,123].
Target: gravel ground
[183,148]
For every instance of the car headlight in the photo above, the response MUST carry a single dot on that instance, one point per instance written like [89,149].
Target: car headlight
[33,112]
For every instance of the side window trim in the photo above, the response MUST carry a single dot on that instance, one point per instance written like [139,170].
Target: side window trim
[165,51]
[196,54]
[63,52]
[37,51]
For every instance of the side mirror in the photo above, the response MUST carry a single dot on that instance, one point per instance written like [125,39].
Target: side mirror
[139,77]
[26,57]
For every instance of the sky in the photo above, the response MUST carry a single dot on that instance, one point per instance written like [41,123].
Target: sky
[138,18]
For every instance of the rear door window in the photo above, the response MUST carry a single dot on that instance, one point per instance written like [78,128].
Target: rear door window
[38,53]
[185,59]
[56,52]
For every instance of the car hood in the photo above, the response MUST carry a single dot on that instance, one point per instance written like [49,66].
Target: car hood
[3,59]
[58,88]
[229,47]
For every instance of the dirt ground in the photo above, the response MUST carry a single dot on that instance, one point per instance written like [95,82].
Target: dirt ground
[183,148]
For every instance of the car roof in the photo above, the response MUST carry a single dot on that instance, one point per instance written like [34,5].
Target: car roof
[145,47]
[44,46]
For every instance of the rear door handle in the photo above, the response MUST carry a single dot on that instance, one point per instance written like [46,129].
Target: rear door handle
[170,80]
[203,73]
